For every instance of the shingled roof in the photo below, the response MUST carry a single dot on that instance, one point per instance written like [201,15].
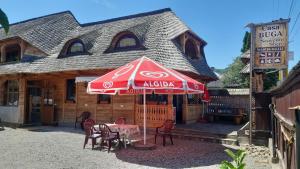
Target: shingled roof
[156,31]
[246,69]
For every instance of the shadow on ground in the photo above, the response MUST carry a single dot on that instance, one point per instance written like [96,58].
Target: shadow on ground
[183,154]
[54,129]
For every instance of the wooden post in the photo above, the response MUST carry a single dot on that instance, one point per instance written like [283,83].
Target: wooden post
[76,99]
[64,100]
[252,54]
[3,53]
[22,100]
[145,116]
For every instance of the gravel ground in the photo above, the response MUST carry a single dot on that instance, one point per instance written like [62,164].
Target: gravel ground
[58,147]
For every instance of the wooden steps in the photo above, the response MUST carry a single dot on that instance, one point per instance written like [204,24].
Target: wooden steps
[190,134]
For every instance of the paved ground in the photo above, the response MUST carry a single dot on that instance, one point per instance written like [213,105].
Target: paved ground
[51,147]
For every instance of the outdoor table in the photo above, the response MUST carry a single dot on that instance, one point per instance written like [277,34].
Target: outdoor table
[126,131]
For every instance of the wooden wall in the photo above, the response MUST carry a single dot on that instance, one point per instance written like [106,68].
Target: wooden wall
[194,112]
[120,106]
[2,90]
[191,112]
[284,98]
[233,101]
[124,106]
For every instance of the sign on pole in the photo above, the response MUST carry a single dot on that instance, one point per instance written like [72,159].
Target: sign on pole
[271,45]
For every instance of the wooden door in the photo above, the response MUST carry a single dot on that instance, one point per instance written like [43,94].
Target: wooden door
[34,104]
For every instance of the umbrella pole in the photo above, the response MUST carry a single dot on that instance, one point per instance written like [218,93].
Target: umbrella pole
[144,116]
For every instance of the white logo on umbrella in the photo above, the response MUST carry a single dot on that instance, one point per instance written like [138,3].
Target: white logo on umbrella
[123,71]
[108,84]
[154,74]
[196,86]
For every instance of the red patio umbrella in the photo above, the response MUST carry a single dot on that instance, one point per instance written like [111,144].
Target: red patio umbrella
[143,76]
[206,96]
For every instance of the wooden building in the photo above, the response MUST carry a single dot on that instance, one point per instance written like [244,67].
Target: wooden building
[46,63]
[286,98]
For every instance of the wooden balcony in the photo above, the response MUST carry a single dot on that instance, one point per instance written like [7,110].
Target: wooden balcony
[156,115]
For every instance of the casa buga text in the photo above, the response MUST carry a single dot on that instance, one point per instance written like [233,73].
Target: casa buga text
[270,31]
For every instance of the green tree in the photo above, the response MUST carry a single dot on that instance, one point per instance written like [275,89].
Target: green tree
[232,75]
[4,21]
[246,42]
[270,78]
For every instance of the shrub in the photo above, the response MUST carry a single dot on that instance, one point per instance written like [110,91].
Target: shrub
[237,158]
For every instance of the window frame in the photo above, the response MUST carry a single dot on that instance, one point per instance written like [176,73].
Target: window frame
[15,94]
[122,37]
[68,95]
[68,50]
[100,101]
[194,99]
[155,99]
[192,44]
[10,49]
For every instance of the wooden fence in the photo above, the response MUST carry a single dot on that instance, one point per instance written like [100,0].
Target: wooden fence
[285,98]
[230,101]
[156,115]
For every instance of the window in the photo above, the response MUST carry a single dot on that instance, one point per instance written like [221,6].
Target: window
[194,98]
[191,49]
[12,93]
[155,99]
[127,41]
[103,98]
[71,90]
[76,47]
[12,53]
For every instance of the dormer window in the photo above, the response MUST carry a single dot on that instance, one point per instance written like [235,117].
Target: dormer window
[191,49]
[76,47]
[12,53]
[127,41]
[73,47]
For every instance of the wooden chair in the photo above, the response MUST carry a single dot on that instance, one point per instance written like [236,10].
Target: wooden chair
[84,115]
[108,136]
[121,120]
[165,130]
[90,132]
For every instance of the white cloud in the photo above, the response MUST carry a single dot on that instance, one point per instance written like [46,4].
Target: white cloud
[105,3]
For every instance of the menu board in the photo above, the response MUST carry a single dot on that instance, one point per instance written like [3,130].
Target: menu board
[271,43]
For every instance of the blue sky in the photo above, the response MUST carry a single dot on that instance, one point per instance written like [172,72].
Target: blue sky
[219,22]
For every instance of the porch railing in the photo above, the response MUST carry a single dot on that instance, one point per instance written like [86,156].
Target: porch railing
[156,115]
